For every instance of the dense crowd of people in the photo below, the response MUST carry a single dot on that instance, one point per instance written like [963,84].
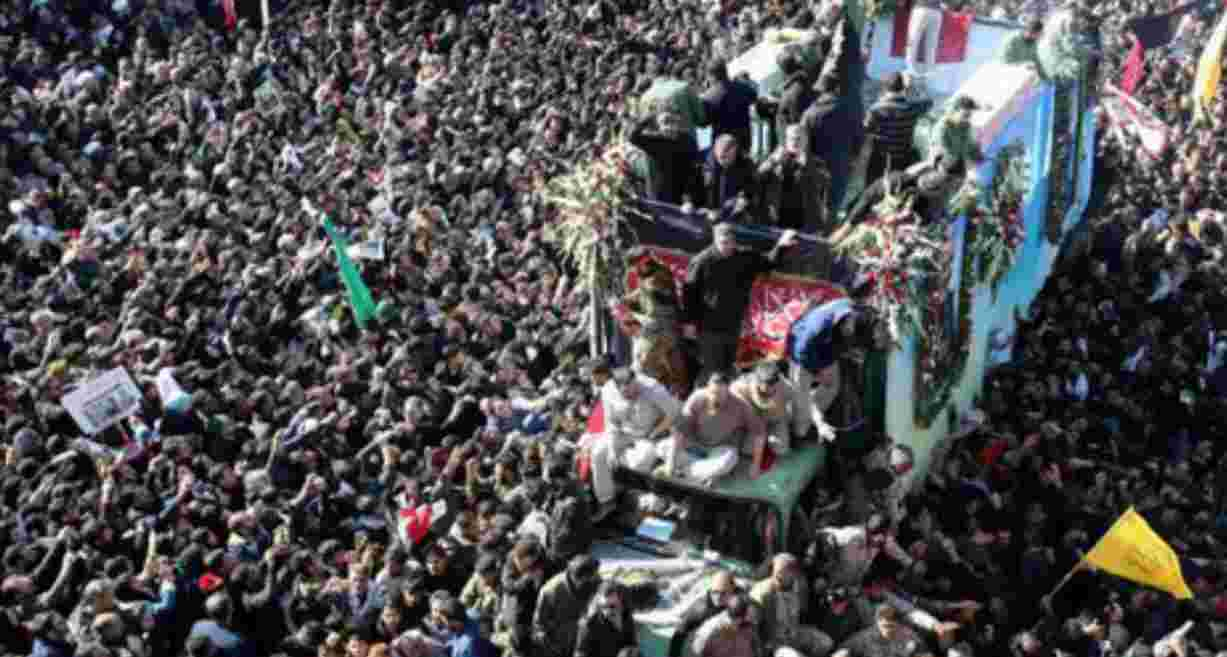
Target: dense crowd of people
[295,484]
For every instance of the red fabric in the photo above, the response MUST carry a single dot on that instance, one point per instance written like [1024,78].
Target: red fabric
[769,459]
[952,39]
[232,16]
[992,452]
[209,583]
[415,523]
[583,467]
[596,419]
[1132,73]
[903,14]
[776,301]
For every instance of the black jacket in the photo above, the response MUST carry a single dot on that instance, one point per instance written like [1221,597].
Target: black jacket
[674,159]
[890,125]
[599,638]
[727,105]
[717,288]
[691,621]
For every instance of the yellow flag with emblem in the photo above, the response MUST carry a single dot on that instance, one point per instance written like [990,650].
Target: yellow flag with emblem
[1210,69]
[1133,551]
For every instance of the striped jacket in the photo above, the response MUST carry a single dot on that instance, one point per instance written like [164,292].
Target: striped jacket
[891,122]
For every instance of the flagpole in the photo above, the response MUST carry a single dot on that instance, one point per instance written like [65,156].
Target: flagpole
[1065,580]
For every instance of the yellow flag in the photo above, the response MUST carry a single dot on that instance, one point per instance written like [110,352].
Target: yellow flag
[1133,551]
[1210,69]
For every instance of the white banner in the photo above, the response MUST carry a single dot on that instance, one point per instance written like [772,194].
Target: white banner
[368,250]
[104,401]
[1130,116]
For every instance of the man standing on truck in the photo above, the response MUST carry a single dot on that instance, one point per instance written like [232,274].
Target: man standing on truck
[717,291]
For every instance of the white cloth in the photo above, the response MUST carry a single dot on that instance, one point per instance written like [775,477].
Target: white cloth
[923,30]
[641,455]
[628,427]
[713,464]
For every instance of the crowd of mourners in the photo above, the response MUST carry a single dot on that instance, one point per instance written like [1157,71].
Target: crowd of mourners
[294,484]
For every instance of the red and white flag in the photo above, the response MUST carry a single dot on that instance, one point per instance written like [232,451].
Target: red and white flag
[1129,116]
[414,522]
[952,36]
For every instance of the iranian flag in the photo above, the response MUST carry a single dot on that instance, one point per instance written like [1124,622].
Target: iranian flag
[952,36]
[413,522]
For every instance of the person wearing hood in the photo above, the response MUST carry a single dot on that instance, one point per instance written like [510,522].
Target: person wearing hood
[561,604]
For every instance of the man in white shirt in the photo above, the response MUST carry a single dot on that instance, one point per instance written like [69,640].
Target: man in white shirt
[638,412]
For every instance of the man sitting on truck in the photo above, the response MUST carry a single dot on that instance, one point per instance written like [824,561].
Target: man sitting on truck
[638,412]
[776,402]
[716,428]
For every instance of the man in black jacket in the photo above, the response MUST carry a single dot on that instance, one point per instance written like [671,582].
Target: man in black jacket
[723,587]
[797,93]
[889,126]
[674,155]
[608,628]
[717,291]
[727,104]
[829,137]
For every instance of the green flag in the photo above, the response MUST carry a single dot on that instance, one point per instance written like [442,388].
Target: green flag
[359,295]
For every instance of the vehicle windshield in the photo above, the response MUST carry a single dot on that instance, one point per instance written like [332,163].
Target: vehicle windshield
[739,520]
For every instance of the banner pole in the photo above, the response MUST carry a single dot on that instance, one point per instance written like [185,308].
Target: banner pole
[1065,580]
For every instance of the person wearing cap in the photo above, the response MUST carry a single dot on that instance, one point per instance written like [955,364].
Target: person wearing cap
[717,292]
[816,344]
[953,137]
[1022,48]
[639,412]
[561,605]
[775,401]
[783,599]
